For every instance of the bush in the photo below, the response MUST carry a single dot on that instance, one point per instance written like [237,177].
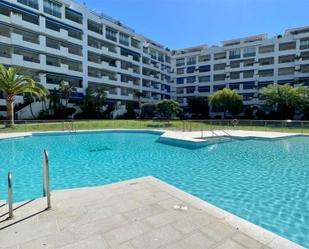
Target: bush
[148,110]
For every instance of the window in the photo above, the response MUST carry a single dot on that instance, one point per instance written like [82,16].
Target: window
[191,60]
[248,52]
[95,27]
[218,77]
[204,58]
[191,79]
[234,75]
[111,34]
[203,89]
[52,8]
[205,68]
[190,89]
[135,43]
[304,43]
[180,70]
[180,62]
[234,54]
[286,58]
[234,86]
[262,84]
[180,80]
[287,46]
[266,49]
[304,68]
[286,71]
[266,61]
[248,74]
[248,63]
[235,64]
[248,85]
[190,69]
[73,15]
[31,3]
[220,56]
[219,66]
[204,79]
[266,72]
[124,39]
[305,56]
[218,87]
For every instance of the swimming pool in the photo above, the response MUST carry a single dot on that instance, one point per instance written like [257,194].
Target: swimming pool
[265,182]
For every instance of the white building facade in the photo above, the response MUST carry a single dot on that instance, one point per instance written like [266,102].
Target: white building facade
[246,65]
[62,40]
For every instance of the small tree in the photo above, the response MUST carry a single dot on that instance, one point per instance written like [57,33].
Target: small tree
[198,106]
[166,108]
[226,100]
[66,91]
[148,110]
[93,102]
[286,99]
[13,83]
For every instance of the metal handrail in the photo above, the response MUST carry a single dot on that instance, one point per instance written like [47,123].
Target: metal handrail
[10,195]
[46,186]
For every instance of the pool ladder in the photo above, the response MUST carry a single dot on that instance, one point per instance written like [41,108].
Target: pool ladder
[46,186]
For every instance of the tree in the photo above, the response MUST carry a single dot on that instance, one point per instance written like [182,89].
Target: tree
[286,99]
[66,91]
[166,108]
[226,100]
[13,83]
[148,110]
[93,102]
[198,106]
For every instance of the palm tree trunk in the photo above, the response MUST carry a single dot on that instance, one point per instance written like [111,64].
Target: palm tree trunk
[31,110]
[139,106]
[10,111]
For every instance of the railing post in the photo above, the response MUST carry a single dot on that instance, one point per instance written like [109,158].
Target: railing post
[10,195]
[46,187]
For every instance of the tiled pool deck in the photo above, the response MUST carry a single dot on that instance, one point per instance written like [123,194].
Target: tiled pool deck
[134,214]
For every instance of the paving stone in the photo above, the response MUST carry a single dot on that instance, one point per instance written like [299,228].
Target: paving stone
[156,238]
[218,231]
[166,217]
[194,241]
[93,242]
[126,245]
[144,212]
[230,244]
[193,222]
[246,241]
[126,232]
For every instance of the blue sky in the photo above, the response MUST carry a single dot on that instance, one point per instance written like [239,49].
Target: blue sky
[185,23]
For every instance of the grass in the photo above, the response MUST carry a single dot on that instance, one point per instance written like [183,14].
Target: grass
[36,126]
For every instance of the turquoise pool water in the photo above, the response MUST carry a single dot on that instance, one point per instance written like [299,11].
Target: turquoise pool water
[265,182]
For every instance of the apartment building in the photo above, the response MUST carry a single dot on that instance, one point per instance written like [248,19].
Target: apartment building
[58,40]
[245,64]
[63,40]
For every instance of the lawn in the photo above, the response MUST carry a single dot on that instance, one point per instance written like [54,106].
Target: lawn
[29,126]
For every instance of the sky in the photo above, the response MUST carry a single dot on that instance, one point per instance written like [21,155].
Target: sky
[186,23]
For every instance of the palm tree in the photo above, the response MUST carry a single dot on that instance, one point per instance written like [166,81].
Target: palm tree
[12,83]
[66,91]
